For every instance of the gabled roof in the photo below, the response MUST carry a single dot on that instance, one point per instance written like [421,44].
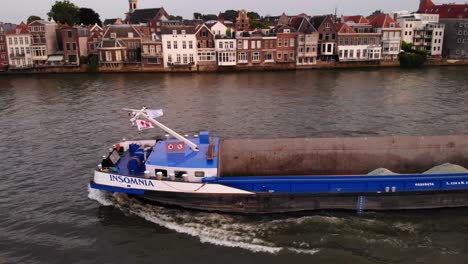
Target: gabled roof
[317,20]
[19,30]
[343,28]
[140,16]
[444,11]
[6,27]
[303,25]
[122,31]
[383,21]
[199,27]
[113,43]
[43,22]
[169,29]
[95,27]
[356,19]
[281,29]
[109,21]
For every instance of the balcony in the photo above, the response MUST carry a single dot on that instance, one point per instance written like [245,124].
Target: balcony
[18,56]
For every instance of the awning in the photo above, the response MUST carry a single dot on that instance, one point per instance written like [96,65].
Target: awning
[55,58]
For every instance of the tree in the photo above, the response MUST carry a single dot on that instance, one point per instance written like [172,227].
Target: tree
[88,16]
[253,15]
[209,17]
[33,18]
[231,15]
[229,32]
[175,18]
[65,12]
[258,24]
[407,47]
[197,15]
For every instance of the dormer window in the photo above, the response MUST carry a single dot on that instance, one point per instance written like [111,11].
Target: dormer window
[183,32]
[327,25]
[287,31]
[113,35]
[392,25]
[174,32]
[130,34]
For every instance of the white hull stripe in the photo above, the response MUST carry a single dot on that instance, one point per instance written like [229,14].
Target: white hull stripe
[125,182]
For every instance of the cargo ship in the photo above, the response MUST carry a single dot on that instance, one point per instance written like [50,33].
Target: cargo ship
[262,176]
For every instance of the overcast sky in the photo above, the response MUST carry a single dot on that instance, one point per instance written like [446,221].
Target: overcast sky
[18,10]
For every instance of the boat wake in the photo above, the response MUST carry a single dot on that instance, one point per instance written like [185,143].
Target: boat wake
[213,228]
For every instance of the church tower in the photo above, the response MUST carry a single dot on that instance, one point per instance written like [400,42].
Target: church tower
[133,5]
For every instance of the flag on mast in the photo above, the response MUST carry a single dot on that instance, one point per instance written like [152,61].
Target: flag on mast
[154,113]
[142,125]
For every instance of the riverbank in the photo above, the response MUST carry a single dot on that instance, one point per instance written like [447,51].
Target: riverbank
[134,68]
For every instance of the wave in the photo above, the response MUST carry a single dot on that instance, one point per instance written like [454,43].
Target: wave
[217,229]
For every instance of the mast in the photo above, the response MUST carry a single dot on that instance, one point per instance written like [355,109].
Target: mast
[171,132]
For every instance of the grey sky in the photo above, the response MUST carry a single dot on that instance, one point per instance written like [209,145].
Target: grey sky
[18,10]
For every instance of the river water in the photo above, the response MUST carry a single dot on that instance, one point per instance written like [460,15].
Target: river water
[54,128]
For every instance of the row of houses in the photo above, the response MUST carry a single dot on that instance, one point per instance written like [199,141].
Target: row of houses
[148,37]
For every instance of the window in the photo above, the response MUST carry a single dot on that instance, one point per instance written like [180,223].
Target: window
[184,44]
[178,58]
[291,40]
[256,56]
[108,56]
[292,56]
[280,56]
[242,57]
[268,57]
[190,44]
[185,57]
[246,44]
[320,36]
[252,44]
[239,44]
[286,43]
[327,25]
[70,34]
[68,46]
[175,44]
[220,45]
[21,40]
[259,44]
[280,43]
[74,46]
[130,34]
[16,40]
[191,59]
[168,45]
[204,34]
[113,35]
[118,55]
[169,58]
[351,53]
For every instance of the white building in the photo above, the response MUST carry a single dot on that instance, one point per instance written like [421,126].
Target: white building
[19,47]
[358,45]
[391,36]
[423,31]
[179,46]
[226,50]
[219,29]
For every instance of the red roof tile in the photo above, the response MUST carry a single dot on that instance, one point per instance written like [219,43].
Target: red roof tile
[23,29]
[444,11]
[355,19]
[383,21]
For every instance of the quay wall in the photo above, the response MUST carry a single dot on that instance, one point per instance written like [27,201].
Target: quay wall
[128,68]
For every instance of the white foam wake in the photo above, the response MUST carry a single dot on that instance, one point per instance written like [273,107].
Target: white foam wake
[213,228]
